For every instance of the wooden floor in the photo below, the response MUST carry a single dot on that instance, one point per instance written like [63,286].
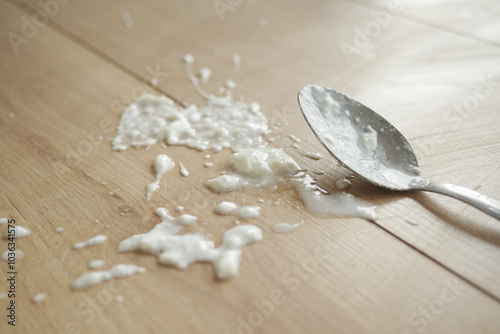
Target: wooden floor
[429,264]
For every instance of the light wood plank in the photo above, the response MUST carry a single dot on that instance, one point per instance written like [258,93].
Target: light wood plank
[60,93]
[477,19]
[438,88]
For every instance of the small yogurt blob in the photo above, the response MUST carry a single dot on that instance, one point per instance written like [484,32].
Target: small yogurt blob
[94,264]
[205,74]
[98,239]
[225,208]
[96,277]
[285,227]
[255,168]
[17,254]
[222,123]
[339,204]
[4,220]
[182,250]
[183,170]
[313,155]
[162,164]
[18,232]
[249,211]
[39,297]
[343,184]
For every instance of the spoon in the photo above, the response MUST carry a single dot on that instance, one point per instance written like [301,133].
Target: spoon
[372,147]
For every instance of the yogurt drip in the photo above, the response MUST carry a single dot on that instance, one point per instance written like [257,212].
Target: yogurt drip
[162,164]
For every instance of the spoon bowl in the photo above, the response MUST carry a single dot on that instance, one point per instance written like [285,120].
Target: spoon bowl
[370,146]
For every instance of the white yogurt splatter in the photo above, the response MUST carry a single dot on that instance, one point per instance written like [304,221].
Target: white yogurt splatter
[96,277]
[183,169]
[153,81]
[179,208]
[59,229]
[17,254]
[339,204]
[4,220]
[285,227]
[119,299]
[18,232]
[3,295]
[225,208]
[249,211]
[39,297]
[94,264]
[222,123]
[98,239]
[182,250]
[205,74]
[162,164]
[343,184]
[313,155]
[255,168]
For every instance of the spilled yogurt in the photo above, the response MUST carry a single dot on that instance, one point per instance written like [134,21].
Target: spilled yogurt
[180,251]
[162,164]
[255,168]
[285,227]
[17,231]
[98,239]
[339,204]
[39,297]
[96,277]
[94,264]
[225,208]
[249,211]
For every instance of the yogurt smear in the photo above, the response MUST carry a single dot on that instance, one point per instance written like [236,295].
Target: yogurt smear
[96,277]
[222,123]
[249,211]
[162,164]
[339,204]
[255,168]
[180,251]
[225,208]
[94,264]
[39,297]
[98,239]
[18,232]
[285,227]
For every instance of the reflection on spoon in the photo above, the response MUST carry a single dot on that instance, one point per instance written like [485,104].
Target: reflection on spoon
[372,147]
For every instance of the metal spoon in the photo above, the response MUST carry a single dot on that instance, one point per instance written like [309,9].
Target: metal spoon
[372,147]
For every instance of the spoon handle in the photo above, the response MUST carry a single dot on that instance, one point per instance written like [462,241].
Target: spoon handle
[481,202]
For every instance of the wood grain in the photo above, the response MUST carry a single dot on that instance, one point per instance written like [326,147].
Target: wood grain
[422,79]
[478,19]
[69,84]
